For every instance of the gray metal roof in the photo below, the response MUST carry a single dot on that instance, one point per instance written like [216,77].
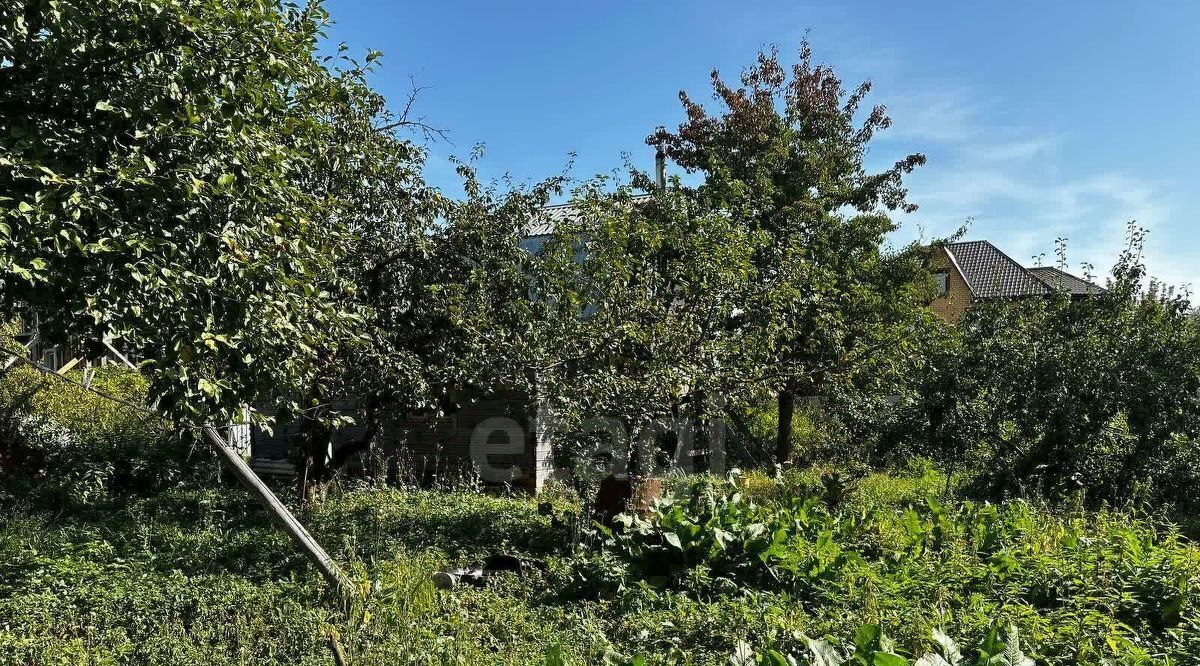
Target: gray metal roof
[1058,279]
[992,274]
[551,217]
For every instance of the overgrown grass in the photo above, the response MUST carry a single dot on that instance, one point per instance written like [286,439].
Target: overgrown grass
[197,575]
[107,568]
[765,561]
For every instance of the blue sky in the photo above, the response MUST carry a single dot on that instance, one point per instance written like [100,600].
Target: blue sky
[1039,119]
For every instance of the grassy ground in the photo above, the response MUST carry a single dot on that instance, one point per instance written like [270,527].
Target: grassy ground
[195,575]
[118,545]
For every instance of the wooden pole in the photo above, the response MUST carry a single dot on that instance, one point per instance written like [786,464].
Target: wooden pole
[335,648]
[300,536]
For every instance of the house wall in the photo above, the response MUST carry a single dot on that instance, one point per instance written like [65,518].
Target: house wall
[951,306]
[56,357]
[429,445]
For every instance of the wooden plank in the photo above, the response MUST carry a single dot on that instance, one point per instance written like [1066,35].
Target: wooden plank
[70,364]
[119,355]
[300,536]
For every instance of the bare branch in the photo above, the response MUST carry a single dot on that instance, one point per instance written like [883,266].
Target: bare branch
[418,123]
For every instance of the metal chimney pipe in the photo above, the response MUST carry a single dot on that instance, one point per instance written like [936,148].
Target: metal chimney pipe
[660,168]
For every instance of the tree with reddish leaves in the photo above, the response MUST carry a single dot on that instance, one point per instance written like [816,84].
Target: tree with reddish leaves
[785,155]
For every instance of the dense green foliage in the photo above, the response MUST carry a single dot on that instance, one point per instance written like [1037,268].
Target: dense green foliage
[1080,586]
[1099,395]
[195,182]
[68,446]
[180,177]
[640,291]
[444,303]
[757,569]
[828,308]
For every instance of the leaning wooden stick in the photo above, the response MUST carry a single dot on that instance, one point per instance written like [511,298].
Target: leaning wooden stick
[300,536]
[303,540]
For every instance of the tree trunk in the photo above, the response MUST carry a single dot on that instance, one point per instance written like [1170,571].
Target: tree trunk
[783,433]
[699,435]
[314,445]
[365,444]
[314,440]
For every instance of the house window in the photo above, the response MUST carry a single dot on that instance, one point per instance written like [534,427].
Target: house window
[943,282]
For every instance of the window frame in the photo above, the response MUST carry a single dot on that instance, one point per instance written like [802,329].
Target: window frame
[943,282]
[51,358]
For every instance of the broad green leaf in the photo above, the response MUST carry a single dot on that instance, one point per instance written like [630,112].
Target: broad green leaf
[824,654]
[743,655]
[949,649]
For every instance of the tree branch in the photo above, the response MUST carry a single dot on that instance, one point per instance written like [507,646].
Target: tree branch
[407,121]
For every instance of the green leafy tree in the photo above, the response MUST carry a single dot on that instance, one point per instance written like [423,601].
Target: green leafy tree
[785,157]
[635,294]
[1100,394]
[444,294]
[180,177]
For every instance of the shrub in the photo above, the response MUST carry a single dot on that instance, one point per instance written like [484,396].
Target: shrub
[1060,396]
[1084,587]
[62,441]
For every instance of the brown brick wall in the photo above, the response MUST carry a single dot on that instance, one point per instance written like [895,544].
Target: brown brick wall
[951,306]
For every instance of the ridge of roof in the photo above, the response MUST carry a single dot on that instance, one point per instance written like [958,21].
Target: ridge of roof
[954,262]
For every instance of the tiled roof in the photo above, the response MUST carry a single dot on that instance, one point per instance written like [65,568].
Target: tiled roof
[992,274]
[1057,279]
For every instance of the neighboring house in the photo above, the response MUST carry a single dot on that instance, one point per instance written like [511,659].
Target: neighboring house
[545,226]
[1059,279]
[972,271]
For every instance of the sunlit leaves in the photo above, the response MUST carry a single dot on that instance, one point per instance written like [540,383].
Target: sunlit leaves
[176,179]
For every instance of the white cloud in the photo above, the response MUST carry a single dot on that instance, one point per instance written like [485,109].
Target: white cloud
[1017,183]
[940,116]
[1016,150]
[1011,185]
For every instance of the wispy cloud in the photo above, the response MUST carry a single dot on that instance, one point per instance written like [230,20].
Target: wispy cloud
[1012,183]
[1016,182]
[940,116]
[1017,150]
